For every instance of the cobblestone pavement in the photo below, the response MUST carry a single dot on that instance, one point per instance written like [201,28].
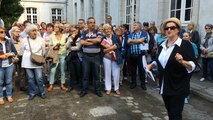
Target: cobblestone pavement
[133,104]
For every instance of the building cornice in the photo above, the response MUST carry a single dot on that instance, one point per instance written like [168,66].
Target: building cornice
[43,1]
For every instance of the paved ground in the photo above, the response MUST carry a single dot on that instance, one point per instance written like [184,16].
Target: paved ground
[133,104]
[203,89]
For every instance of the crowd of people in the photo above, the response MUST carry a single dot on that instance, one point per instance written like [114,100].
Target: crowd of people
[82,50]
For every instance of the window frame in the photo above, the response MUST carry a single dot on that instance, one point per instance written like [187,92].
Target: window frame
[32,14]
[182,10]
[132,6]
[92,7]
[106,9]
[56,15]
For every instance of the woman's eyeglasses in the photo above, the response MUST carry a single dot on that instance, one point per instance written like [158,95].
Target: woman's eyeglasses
[207,28]
[171,28]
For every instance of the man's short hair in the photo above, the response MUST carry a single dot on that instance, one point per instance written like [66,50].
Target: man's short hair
[137,22]
[89,19]
[108,16]
[81,20]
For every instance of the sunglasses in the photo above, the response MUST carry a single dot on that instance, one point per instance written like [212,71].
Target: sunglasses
[208,28]
[2,32]
[91,22]
[171,28]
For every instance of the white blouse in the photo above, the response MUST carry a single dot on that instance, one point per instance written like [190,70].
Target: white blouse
[38,47]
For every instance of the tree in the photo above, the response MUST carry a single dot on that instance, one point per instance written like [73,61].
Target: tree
[10,11]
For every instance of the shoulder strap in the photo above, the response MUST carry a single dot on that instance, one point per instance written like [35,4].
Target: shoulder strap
[29,44]
[10,45]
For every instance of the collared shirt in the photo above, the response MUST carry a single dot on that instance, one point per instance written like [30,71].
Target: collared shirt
[165,54]
[135,49]
[91,48]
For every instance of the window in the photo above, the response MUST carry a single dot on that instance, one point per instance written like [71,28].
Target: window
[56,14]
[131,9]
[106,9]
[82,9]
[92,8]
[32,15]
[181,9]
[75,11]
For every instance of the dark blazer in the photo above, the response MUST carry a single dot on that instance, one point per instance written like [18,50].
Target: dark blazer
[9,48]
[176,78]
[195,37]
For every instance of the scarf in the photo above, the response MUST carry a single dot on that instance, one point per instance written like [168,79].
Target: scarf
[207,37]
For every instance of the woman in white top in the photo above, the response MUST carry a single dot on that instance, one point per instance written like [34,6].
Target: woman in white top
[34,72]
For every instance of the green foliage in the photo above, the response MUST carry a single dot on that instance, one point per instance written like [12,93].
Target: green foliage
[10,11]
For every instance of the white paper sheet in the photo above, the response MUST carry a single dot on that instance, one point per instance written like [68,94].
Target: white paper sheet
[144,46]
[148,72]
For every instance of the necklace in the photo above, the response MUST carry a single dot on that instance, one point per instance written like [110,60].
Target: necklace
[169,44]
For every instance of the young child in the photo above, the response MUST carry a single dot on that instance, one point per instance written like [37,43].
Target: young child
[187,36]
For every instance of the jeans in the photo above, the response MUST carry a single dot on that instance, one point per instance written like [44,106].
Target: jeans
[35,75]
[54,67]
[6,75]
[136,62]
[91,63]
[207,62]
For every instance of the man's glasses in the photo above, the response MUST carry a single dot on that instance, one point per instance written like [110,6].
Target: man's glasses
[171,28]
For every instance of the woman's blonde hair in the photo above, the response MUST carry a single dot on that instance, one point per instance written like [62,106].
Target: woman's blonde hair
[193,24]
[107,26]
[60,26]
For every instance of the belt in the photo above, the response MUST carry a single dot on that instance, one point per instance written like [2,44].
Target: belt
[91,54]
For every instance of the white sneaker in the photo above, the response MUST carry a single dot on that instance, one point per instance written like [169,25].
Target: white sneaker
[186,101]
[202,79]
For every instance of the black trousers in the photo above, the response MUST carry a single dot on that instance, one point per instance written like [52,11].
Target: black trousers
[174,105]
[75,71]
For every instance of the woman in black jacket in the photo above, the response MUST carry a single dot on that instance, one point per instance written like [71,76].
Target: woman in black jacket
[74,56]
[175,60]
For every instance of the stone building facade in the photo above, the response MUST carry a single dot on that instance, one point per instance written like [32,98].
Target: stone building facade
[122,11]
